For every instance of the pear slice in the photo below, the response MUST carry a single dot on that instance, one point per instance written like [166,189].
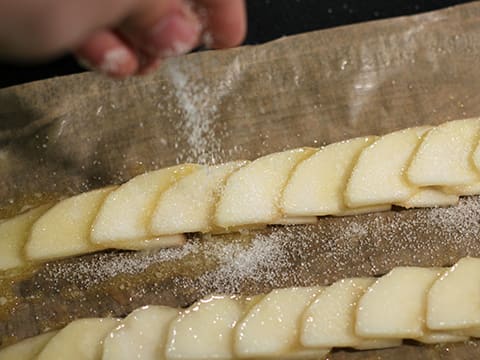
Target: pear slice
[308,354]
[64,230]
[363,210]
[205,330]
[80,340]
[317,185]
[252,194]
[439,337]
[141,335]
[126,213]
[469,332]
[14,233]
[403,289]
[151,243]
[454,298]
[476,156]
[295,220]
[463,190]
[429,197]
[271,327]
[473,189]
[329,321]
[189,204]
[444,158]
[378,175]
[26,349]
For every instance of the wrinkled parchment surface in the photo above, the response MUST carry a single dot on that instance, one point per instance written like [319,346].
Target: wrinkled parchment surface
[67,135]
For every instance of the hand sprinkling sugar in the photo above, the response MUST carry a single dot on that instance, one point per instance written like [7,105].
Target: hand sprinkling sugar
[119,38]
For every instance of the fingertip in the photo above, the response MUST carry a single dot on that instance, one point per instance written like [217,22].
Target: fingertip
[108,54]
[163,32]
[226,23]
[118,62]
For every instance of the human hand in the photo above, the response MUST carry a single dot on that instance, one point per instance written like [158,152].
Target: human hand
[118,37]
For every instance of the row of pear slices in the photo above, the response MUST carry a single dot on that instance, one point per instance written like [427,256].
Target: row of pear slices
[429,305]
[416,167]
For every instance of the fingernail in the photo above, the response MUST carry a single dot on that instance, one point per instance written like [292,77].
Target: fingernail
[174,35]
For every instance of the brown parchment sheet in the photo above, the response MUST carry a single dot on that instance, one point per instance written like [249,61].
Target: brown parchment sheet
[67,135]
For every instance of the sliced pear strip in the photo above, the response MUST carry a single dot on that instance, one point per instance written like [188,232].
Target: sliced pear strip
[189,204]
[14,234]
[363,210]
[476,157]
[126,212]
[141,335]
[252,194]
[271,327]
[369,344]
[329,321]
[205,330]
[378,175]
[80,340]
[469,332]
[429,197]
[296,220]
[403,289]
[453,300]
[64,230]
[444,158]
[151,244]
[463,190]
[438,337]
[313,354]
[26,349]
[317,185]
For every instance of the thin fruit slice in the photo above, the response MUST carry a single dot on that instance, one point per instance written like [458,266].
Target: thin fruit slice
[473,189]
[330,320]
[444,158]
[64,230]
[317,185]
[26,349]
[476,157]
[429,197]
[296,220]
[79,340]
[141,335]
[271,327]
[14,233]
[405,290]
[363,210]
[309,354]
[189,204]
[463,190]
[125,215]
[378,175]
[205,330]
[438,337]
[453,300]
[252,194]
[152,243]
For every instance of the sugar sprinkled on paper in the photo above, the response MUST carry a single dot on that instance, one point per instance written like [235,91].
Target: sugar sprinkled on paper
[199,122]
[258,260]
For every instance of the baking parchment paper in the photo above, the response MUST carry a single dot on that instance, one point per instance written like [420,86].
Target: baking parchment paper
[66,135]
